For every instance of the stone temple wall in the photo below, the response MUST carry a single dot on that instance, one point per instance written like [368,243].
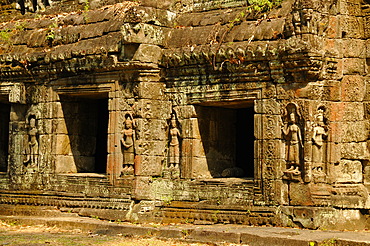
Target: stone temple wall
[191,111]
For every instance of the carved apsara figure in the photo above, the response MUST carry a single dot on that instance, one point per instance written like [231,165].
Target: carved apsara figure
[319,133]
[292,133]
[174,148]
[128,141]
[318,136]
[32,145]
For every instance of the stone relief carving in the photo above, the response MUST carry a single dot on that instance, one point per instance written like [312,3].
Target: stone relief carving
[320,132]
[174,148]
[32,146]
[294,144]
[128,142]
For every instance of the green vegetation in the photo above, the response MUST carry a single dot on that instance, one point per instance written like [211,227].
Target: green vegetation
[87,5]
[50,36]
[262,5]
[329,242]
[5,35]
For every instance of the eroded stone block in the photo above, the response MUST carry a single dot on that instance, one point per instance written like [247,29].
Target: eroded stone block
[348,171]
[148,53]
[354,151]
[353,88]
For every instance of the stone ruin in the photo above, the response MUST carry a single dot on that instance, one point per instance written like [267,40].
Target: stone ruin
[193,111]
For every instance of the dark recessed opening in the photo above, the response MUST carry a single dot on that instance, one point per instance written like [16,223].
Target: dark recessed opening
[245,140]
[86,118]
[101,136]
[227,136]
[4,136]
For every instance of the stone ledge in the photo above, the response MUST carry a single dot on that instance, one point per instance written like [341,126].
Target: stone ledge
[253,236]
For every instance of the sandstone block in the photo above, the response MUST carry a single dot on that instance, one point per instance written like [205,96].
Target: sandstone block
[333,152]
[143,33]
[300,194]
[46,126]
[367,93]
[114,143]
[354,151]
[270,149]
[57,110]
[17,144]
[190,128]
[346,132]
[272,169]
[267,126]
[353,88]
[197,147]
[345,111]
[348,171]
[355,48]
[282,192]
[62,145]
[114,163]
[59,126]
[151,90]
[352,7]
[200,168]
[152,148]
[142,188]
[366,175]
[333,29]
[148,165]
[351,27]
[332,46]
[185,112]
[267,106]
[44,144]
[353,66]
[153,109]
[151,129]
[148,53]
[65,164]
[331,91]
[113,122]
[17,93]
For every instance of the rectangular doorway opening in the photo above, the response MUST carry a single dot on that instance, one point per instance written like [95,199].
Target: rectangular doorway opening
[86,123]
[227,137]
[245,140]
[4,136]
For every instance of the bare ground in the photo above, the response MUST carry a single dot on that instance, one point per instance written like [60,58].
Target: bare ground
[14,234]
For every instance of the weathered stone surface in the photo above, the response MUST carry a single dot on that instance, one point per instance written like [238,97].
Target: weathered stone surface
[148,53]
[300,194]
[353,88]
[354,151]
[346,111]
[348,171]
[349,131]
[267,106]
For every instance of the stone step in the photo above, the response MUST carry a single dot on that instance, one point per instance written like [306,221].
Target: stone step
[253,236]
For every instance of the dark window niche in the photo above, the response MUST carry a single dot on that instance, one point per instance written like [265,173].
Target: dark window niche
[227,135]
[86,119]
[4,136]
